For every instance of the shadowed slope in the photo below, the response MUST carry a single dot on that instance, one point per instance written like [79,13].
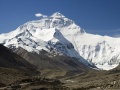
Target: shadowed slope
[9,59]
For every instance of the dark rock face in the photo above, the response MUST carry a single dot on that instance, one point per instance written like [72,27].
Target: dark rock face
[70,46]
[9,59]
[45,60]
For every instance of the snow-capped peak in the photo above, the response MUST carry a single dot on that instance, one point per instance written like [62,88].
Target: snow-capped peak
[57,20]
[60,35]
[57,15]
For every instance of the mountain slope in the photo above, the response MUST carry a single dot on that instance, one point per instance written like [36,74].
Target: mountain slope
[9,59]
[59,35]
[44,60]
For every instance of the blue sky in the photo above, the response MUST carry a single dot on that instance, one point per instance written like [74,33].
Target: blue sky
[95,16]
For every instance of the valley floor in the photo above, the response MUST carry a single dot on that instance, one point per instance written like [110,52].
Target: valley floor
[92,80]
[95,80]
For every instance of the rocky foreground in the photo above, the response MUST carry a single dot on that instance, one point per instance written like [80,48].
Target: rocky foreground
[93,80]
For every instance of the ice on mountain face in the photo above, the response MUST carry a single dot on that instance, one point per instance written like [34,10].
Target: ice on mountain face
[98,49]
[106,66]
[60,44]
[60,35]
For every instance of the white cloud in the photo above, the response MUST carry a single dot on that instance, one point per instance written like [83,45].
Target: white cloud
[40,15]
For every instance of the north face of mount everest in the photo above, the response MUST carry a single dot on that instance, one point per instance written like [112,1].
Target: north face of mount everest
[59,35]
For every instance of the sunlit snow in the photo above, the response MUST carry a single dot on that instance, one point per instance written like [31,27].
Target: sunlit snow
[59,32]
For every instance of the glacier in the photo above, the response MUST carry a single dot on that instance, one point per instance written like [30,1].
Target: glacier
[59,35]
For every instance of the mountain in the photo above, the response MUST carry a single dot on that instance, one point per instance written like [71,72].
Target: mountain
[10,60]
[44,60]
[59,35]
